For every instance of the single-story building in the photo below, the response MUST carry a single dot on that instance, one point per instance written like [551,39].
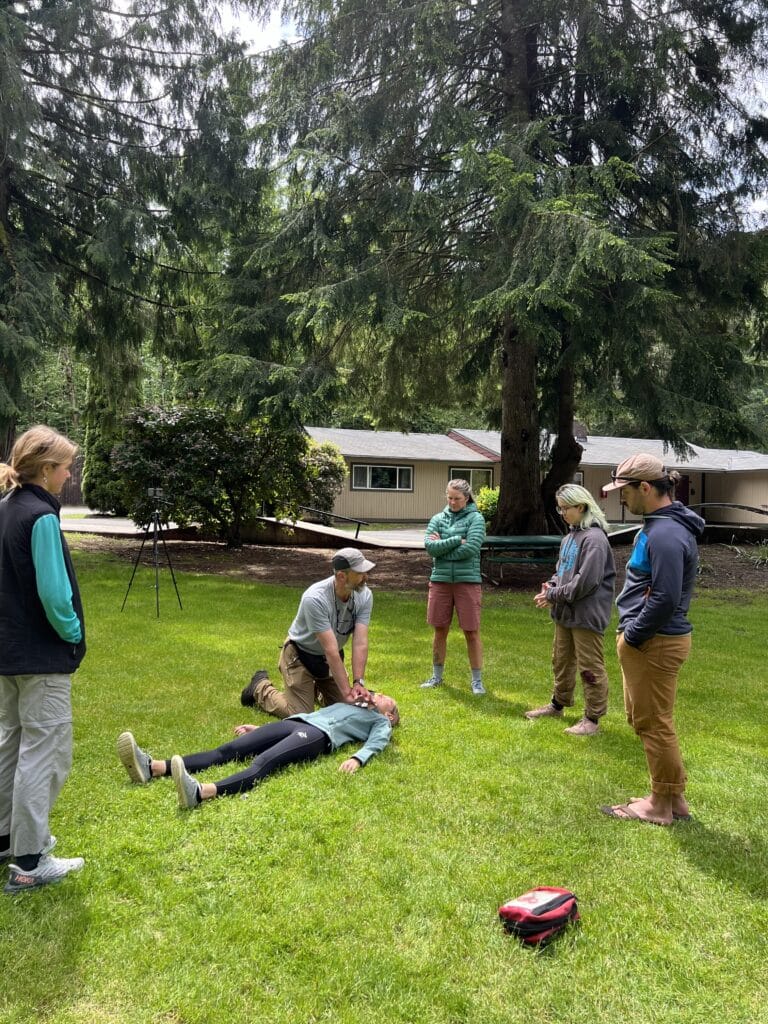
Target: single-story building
[395,477]
[400,477]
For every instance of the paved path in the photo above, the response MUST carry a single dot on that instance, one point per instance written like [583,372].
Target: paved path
[76,519]
[83,520]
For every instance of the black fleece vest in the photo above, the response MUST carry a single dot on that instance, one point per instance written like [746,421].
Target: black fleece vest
[29,645]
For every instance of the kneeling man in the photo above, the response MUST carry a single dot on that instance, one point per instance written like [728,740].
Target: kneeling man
[312,659]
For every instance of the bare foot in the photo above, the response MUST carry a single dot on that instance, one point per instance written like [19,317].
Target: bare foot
[680,809]
[639,810]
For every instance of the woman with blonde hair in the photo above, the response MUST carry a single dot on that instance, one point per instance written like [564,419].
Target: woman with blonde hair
[453,539]
[580,598]
[42,642]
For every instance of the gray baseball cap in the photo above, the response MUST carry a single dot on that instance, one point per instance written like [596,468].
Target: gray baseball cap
[351,558]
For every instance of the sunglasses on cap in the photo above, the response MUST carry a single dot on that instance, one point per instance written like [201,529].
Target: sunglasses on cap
[624,480]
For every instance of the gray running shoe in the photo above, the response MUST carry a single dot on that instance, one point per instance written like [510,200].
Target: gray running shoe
[548,711]
[136,762]
[431,683]
[187,790]
[5,855]
[49,870]
[477,688]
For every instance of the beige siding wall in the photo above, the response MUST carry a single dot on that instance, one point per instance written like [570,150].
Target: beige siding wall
[740,489]
[596,478]
[736,488]
[418,505]
[430,478]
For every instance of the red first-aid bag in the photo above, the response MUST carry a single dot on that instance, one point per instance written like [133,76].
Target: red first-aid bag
[540,914]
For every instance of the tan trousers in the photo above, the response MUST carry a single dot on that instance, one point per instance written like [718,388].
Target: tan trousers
[650,687]
[301,688]
[580,650]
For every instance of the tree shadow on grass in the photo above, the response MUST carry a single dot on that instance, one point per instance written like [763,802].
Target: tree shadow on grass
[488,705]
[42,935]
[741,861]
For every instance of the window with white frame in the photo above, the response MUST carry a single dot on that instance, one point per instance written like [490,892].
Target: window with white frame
[365,477]
[476,478]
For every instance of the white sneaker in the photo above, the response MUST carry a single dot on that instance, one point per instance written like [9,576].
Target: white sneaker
[49,869]
[477,688]
[431,683]
[5,855]
[187,790]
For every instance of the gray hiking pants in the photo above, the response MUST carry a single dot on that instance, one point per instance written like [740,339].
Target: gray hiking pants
[35,755]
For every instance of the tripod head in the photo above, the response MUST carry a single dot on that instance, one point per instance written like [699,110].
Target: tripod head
[159,499]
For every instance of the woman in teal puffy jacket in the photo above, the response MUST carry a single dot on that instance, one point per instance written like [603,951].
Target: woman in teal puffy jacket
[453,539]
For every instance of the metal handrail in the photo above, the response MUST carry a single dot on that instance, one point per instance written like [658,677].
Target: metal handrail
[333,515]
[728,504]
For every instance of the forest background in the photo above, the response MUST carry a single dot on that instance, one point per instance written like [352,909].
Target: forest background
[407,215]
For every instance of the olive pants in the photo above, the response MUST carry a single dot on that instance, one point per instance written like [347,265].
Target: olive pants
[580,650]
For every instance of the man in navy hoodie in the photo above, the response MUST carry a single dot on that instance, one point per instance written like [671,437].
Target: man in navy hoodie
[654,634]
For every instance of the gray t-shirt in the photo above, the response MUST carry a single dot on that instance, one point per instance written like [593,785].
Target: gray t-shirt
[320,609]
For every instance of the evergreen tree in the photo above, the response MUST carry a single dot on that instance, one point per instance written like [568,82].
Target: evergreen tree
[124,152]
[544,197]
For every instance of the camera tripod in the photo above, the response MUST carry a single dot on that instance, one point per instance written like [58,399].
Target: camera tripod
[157,535]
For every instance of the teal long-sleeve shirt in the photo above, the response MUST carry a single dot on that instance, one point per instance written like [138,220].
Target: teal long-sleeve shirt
[343,723]
[53,586]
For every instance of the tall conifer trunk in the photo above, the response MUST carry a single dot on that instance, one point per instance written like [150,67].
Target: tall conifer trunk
[566,451]
[520,510]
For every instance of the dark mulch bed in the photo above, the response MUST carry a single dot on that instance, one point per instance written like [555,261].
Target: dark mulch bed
[721,568]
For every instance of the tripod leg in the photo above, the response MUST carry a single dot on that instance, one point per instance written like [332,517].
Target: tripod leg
[155,530]
[135,567]
[168,560]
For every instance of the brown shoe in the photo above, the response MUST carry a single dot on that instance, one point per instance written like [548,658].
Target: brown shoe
[548,711]
[585,727]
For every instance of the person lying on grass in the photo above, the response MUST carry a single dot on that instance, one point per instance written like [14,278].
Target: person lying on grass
[302,737]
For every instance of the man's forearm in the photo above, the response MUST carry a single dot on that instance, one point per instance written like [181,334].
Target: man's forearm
[359,659]
[338,671]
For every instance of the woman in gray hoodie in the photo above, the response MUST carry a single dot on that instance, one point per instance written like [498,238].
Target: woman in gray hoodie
[580,597]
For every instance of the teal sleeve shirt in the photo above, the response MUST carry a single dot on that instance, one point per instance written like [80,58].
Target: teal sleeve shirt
[343,723]
[53,584]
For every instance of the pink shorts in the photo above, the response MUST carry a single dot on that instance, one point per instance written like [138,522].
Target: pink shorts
[466,598]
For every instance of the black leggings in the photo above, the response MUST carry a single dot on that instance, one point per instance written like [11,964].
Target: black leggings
[275,745]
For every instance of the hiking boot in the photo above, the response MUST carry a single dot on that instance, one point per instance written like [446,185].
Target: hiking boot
[548,711]
[5,855]
[248,696]
[187,790]
[477,688]
[49,870]
[431,683]
[586,727]
[136,762]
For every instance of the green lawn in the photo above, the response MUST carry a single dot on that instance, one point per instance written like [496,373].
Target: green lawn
[373,897]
